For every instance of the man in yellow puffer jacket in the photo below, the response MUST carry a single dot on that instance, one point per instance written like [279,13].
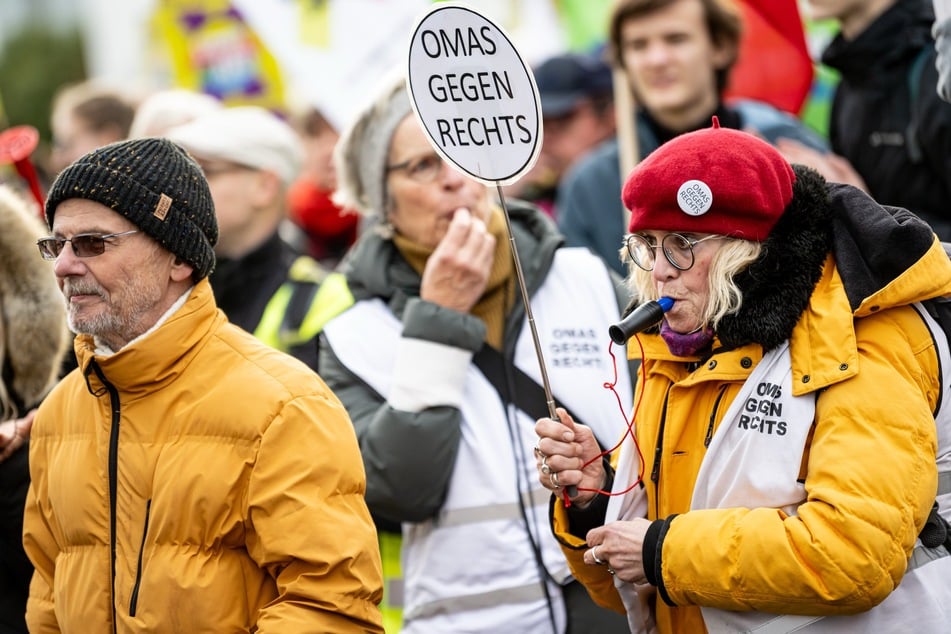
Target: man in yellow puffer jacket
[186,477]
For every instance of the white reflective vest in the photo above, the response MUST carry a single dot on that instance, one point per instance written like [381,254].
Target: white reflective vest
[473,567]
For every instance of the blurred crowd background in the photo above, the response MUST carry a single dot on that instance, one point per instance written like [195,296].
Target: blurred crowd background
[325,54]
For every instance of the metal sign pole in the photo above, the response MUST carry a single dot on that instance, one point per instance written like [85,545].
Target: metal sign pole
[477,100]
[549,399]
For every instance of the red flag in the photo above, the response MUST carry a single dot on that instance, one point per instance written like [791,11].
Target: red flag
[774,63]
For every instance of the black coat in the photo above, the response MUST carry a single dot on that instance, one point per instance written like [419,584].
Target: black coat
[880,101]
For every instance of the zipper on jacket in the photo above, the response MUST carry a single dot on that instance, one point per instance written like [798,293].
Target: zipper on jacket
[713,417]
[113,476]
[658,454]
[138,566]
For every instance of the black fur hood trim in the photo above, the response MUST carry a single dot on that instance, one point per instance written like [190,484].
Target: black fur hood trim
[777,286]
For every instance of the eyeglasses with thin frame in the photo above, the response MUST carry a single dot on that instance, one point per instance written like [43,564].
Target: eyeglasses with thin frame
[677,248]
[422,169]
[85,245]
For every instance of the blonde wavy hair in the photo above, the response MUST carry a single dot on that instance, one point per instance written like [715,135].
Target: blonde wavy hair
[724,297]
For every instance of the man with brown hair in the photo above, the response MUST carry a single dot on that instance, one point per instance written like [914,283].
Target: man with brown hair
[677,56]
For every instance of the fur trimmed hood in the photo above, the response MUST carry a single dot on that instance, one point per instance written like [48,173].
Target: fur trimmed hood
[872,245]
[34,331]
[777,286]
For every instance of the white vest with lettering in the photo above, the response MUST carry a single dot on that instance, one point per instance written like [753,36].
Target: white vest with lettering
[473,567]
[742,469]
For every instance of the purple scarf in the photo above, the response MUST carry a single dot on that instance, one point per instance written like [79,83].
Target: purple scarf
[687,345]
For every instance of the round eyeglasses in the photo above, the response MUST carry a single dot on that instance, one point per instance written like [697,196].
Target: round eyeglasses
[677,248]
[85,245]
[422,169]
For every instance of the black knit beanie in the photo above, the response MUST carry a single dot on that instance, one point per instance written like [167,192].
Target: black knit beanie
[155,184]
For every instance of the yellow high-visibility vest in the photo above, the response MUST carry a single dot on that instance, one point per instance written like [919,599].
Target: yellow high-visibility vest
[392,605]
[302,305]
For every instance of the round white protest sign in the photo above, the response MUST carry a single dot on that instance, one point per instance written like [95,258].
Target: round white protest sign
[473,94]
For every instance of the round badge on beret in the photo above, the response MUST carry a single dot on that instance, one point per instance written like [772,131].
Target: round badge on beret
[695,198]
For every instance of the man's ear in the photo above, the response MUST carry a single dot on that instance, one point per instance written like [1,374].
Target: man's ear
[180,271]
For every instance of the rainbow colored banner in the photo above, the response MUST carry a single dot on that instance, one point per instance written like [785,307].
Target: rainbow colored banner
[208,46]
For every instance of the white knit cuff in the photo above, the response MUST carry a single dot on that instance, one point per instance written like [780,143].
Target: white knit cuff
[428,374]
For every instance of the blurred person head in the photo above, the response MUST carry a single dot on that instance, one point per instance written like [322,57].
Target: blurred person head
[167,109]
[250,158]
[577,99]
[329,230]
[132,228]
[87,116]
[677,55]
[387,169]
[318,139]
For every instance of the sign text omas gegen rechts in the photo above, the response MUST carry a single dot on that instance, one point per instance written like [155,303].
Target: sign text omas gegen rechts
[472,86]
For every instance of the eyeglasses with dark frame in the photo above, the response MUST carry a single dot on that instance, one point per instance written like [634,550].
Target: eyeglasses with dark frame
[422,169]
[85,245]
[677,248]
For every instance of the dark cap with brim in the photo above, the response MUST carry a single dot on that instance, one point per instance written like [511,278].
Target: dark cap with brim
[565,80]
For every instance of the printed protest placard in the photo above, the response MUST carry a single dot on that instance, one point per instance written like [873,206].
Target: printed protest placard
[474,95]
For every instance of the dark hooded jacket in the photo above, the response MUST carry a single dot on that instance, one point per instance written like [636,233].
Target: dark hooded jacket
[888,120]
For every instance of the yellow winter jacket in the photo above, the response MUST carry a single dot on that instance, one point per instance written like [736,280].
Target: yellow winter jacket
[870,474]
[198,481]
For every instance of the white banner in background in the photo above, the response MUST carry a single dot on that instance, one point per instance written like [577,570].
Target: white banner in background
[335,59]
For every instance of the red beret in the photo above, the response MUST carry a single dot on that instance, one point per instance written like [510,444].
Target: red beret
[715,180]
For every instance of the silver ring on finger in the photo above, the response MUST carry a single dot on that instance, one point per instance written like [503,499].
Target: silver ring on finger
[611,570]
[553,478]
[545,468]
[538,453]
[597,560]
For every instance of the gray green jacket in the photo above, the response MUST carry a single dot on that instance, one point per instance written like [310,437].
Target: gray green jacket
[401,490]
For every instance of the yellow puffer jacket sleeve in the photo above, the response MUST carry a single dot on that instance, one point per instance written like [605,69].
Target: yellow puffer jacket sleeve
[313,478]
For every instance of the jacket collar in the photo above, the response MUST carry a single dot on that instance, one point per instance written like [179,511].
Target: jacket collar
[158,358]
[777,286]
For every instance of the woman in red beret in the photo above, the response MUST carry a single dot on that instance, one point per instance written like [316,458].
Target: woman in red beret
[783,455]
